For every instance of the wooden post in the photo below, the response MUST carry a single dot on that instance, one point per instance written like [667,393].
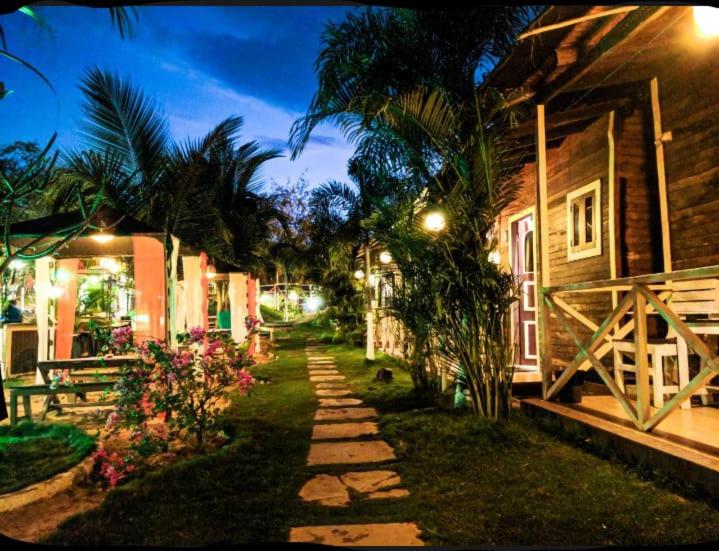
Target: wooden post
[661,175]
[611,209]
[641,358]
[542,215]
[370,310]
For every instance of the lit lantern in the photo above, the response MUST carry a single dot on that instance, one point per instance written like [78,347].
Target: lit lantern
[434,221]
[211,272]
[706,19]
[359,274]
[102,237]
[385,257]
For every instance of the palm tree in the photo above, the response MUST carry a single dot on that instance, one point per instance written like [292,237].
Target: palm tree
[380,54]
[205,191]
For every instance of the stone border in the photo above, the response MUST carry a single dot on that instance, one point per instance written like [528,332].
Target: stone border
[46,488]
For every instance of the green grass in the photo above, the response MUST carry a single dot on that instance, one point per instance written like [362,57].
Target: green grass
[472,482]
[31,452]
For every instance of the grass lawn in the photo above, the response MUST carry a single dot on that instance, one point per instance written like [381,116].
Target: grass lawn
[31,452]
[471,482]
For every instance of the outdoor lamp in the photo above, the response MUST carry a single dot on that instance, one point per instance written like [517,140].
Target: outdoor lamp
[313,303]
[211,272]
[434,221]
[706,19]
[102,237]
[359,274]
[385,257]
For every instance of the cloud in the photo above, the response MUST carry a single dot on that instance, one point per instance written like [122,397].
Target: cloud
[324,140]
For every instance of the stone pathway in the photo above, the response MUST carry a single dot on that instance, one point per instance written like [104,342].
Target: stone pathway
[345,433]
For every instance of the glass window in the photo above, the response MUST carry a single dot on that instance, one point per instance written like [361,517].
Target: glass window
[584,222]
[529,252]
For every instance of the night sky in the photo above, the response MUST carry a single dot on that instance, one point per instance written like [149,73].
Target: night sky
[201,64]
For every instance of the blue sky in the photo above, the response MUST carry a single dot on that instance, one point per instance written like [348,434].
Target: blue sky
[201,64]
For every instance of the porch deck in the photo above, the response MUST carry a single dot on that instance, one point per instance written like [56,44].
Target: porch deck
[685,447]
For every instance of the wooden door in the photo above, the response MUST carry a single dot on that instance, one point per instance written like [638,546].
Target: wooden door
[525,323]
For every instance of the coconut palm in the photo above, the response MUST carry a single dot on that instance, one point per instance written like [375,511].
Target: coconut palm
[206,191]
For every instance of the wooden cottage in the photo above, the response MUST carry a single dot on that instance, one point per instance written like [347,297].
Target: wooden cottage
[615,237]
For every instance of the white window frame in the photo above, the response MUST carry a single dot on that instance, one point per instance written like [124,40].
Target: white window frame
[577,252]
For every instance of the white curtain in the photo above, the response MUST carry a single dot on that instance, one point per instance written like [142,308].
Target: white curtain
[237,290]
[43,267]
[192,269]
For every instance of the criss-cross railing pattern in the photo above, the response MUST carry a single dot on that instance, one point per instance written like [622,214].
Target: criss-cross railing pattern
[643,295]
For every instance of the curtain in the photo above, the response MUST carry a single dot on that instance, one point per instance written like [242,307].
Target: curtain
[42,310]
[150,293]
[66,275]
[237,291]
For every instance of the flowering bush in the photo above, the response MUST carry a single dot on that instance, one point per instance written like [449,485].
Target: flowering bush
[186,387]
[251,323]
[121,340]
[59,377]
[111,467]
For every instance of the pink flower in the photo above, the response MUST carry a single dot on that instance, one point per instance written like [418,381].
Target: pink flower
[112,420]
[197,334]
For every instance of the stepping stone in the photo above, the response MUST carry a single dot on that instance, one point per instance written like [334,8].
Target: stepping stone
[326,490]
[383,535]
[319,358]
[324,378]
[339,402]
[332,453]
[342,414]
[324,372]
[368,482]
[331,385]
[335,393]
[331,431]
[395,493]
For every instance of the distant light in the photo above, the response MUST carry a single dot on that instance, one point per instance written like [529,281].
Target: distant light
[385,257]
[293,296]
[314,303]
[706,19]
[359,274]
[102,237]
[266,298]
[17,264]
[55,292]
[434,221]
[494,257]
[110,264]
[211,272]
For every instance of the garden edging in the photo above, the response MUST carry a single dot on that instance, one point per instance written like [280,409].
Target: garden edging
[46,488]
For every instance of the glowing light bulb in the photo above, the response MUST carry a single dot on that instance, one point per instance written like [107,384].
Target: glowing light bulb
[314,303]
[706,19]
[102,237]
[385,257]
[434,221]
[359,274]
[211,273]
[110,264]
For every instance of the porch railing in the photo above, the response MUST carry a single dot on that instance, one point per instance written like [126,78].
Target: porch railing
[644,294]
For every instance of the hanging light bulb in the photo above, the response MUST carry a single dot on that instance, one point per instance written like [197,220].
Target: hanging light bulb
[434,221]
[706,19]
[102,237]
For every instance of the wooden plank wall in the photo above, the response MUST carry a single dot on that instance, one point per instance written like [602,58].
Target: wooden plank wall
[690,110]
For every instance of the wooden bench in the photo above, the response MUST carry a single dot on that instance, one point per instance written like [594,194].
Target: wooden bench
[44,390]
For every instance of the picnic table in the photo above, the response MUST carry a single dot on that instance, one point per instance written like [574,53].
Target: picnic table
[104,380]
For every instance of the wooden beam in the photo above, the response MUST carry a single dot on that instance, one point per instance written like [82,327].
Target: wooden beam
[661,175]
[632,23]
[705,272]
[570,117]
[543,277]
[593,343]
[598,367]
[641,357]
[574,21]
[612,207]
